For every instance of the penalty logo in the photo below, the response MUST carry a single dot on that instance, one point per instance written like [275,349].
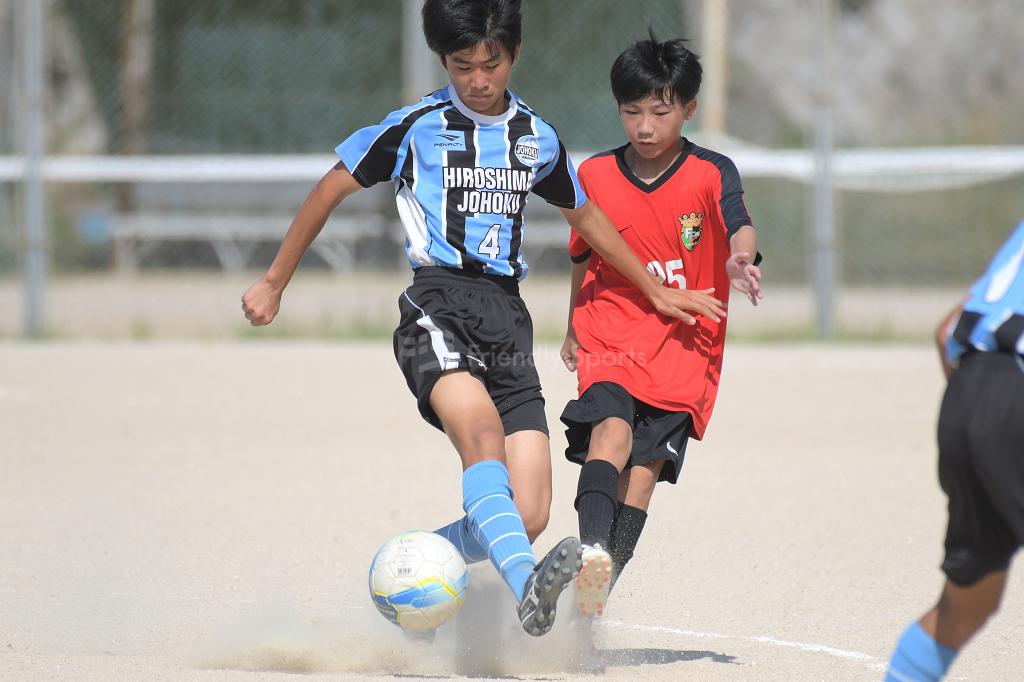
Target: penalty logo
[451,142]
[527,150]
[690,229]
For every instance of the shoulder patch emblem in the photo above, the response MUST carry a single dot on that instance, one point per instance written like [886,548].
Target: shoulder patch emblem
[690,228]
[527,149]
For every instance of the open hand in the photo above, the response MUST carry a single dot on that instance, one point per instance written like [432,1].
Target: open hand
[744,276]
[685,304]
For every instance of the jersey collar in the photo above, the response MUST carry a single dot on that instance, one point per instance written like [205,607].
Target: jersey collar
[483,119]
[620,159]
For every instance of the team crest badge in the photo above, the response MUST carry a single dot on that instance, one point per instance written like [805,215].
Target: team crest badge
[690,229]
[527,150]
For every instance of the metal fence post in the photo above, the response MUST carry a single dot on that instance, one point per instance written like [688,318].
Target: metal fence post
[420,67]
[824,205]
[33,16]
[715,60]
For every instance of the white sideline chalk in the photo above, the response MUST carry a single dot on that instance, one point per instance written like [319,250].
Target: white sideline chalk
[869,661]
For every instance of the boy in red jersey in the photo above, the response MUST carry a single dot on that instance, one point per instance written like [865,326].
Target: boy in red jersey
[648,383]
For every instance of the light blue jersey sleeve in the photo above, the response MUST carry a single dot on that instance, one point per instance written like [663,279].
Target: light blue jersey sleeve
[993,316]
[556,182]
[376,153]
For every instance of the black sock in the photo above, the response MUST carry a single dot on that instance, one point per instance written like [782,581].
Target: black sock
[612,532]
[596,501]
[629,524]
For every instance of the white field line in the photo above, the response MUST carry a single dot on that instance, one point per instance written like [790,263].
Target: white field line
[869,661]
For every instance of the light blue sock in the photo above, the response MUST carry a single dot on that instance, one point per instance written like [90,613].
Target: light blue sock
[495,524]
[919,658]
[460,535]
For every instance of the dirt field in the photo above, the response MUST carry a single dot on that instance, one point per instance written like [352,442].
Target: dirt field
[207,512]
[205,306]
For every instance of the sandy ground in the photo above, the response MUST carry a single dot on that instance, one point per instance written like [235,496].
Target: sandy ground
[202,305]
[207,512]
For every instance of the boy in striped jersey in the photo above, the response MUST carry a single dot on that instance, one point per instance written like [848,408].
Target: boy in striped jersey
[981,464]
[463,161]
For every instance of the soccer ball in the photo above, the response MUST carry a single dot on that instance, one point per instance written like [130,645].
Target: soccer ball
[418,580]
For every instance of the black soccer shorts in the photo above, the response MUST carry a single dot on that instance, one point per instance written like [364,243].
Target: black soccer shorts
[460,319]
[981,465]
[657,433]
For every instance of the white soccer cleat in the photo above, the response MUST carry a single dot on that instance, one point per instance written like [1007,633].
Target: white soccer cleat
[594,581]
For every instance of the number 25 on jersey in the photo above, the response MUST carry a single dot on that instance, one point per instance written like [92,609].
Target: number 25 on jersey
[669,272]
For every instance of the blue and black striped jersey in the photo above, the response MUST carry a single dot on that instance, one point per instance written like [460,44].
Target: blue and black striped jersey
[993,316]
[462,178]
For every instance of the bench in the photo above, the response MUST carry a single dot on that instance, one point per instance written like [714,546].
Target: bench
[233,238]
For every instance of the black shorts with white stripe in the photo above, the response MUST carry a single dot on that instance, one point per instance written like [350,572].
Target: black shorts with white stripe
[463,319]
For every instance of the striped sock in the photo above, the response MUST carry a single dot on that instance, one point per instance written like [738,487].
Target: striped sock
[460,535]
[919,658]
[495,522]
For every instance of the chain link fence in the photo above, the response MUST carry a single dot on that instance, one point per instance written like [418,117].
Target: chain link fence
[158,78]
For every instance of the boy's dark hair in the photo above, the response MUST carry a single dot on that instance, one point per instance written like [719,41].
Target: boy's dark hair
[666,70]
[453,25]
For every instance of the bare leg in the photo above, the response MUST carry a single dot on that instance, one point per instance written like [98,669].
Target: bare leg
[636,486]
[611,441]
[928,647]
[962,611]
[469,418]
[528,455]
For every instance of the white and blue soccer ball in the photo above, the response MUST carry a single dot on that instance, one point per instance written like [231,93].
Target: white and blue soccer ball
[418,580]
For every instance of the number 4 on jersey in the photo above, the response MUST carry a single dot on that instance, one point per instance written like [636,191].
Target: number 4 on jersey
[490,245]
[670,272]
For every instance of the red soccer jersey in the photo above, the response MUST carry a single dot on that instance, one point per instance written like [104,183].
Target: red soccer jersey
[679,226]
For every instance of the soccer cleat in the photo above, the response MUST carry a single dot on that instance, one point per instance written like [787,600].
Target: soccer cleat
[550,576]
[594,581]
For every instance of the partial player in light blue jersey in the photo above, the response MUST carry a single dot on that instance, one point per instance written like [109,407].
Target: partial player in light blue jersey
[993,314]
[464,160]
[981,465]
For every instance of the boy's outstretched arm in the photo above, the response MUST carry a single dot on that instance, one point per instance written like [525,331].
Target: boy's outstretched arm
[262,300]
[569,346]
[743,274]
[598,231]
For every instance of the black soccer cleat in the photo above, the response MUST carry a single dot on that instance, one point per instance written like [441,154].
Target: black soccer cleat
[550,576]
